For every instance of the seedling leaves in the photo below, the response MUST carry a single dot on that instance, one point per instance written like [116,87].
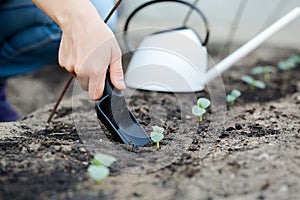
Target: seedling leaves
[262,69]
[156,137]
[230,98]
[252,82]
[198,111]
[158,129]
[247,79]
[102,159]
[259,84]
[236,93]
[203,102]
[98,173]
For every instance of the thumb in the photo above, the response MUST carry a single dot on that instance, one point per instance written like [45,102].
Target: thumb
[116,74]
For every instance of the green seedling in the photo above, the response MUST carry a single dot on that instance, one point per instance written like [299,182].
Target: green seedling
[265,70]
[99,170]
[233,96]
[295,58]
[286,65]
[200,108]
[157,135]
[292,62]
[253,83]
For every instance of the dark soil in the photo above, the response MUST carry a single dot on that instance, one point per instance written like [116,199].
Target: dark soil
[253,153]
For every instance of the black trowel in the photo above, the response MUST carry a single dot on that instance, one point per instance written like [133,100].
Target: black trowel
[113,112]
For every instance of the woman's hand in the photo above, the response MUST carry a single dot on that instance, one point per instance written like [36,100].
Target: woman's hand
[88,46]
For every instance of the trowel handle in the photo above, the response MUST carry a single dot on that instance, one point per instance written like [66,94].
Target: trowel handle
[109,89]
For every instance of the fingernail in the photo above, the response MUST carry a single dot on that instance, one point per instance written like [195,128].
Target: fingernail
[121,84]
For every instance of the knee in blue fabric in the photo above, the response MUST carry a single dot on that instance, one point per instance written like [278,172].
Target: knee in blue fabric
[29,50]
[7,113]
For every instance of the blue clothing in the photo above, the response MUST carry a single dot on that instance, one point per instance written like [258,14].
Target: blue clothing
[7,113]
[29,39]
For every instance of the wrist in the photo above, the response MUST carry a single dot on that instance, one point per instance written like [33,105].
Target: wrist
[70,13]
[79,15]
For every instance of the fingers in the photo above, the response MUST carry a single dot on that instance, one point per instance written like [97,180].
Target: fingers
[89,62]
[66,54]
[96,82]
[83,81]
[96,86]
[116,74]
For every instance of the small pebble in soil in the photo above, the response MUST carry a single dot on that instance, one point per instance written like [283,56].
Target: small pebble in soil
[298,100]
[186,156]
[260,197]
[24,126]
[195,141]
[136,194]
[190,172]
[251,111]
[192,149]
[224,135]
[230,129]
[242,116]
[238,126]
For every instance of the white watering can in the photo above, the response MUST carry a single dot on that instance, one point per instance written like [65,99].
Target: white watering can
[176,60]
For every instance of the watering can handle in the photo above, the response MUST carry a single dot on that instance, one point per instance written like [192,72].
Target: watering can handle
[160,1]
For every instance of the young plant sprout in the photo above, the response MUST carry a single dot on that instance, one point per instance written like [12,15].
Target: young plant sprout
[157,135]
[253,83]
[295,58]
[200,108]
[265,70]
[292,62]
[99,170]
[286,65]
[233,96]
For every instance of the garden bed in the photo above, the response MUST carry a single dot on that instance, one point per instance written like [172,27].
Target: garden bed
[251,153]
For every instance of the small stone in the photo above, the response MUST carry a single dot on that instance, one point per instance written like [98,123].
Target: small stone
[192,149]
[243,116]
[265,185]
[188,117]
[66,148]
[238,126]
[56,147]
[224,135]
[230,128]
[24,126]
[24,150]
[298,99]
[34,146]
[195,141]
[136,194]
[260,197]
[232,176]
[284,189]
[85,163]
[186,156]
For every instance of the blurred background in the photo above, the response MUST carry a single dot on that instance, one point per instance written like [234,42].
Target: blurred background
[238,20]
[231,22]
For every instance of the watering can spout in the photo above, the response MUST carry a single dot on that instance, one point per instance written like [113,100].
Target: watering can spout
[247,48]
